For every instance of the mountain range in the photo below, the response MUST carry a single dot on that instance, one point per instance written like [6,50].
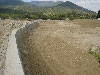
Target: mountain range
[44,9]
[93,5]
[67,5]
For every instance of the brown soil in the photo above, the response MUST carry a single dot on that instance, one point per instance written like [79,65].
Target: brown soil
[61,48]
[87,23]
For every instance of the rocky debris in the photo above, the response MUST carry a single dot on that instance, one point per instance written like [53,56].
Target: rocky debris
[3,49]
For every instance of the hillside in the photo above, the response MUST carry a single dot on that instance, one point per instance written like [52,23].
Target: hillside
[11,2]
[45,3]
[70,5]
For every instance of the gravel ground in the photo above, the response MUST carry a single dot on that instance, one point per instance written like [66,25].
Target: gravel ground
[60,48]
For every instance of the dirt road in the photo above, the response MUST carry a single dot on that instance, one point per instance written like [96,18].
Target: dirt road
[60,48]
[13,64]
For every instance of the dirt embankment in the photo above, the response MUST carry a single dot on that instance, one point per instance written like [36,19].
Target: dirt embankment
[58,48]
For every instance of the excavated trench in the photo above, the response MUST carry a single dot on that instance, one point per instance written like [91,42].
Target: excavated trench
[32,62]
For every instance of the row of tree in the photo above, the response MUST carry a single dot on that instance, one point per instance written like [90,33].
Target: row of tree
[6,13]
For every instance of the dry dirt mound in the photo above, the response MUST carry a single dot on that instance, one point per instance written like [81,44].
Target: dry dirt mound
[59,48]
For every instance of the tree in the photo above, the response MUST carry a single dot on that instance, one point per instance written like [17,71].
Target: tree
[27,15]
[98,15]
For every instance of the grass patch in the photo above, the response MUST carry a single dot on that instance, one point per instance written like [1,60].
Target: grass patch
[97,55]
[91,52]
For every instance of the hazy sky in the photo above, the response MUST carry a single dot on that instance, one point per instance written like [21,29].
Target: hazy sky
[50,0]
[60,0]
[89,4]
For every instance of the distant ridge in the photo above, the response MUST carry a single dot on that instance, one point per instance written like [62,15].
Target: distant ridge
[61,4]
[45,3]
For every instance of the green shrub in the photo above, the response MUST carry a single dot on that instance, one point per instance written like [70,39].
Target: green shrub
[98,56]
[90,51]
[95,54]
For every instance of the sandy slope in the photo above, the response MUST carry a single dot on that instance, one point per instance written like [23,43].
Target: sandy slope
[60,48]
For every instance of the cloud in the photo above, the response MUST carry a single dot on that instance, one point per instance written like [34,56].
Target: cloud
[90,4]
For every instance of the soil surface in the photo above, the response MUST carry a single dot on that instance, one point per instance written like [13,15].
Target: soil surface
[61,48]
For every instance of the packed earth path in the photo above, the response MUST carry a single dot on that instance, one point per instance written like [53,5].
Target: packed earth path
[13,64]
[6,28]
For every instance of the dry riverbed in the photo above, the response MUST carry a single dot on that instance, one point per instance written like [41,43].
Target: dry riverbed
[60,48]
